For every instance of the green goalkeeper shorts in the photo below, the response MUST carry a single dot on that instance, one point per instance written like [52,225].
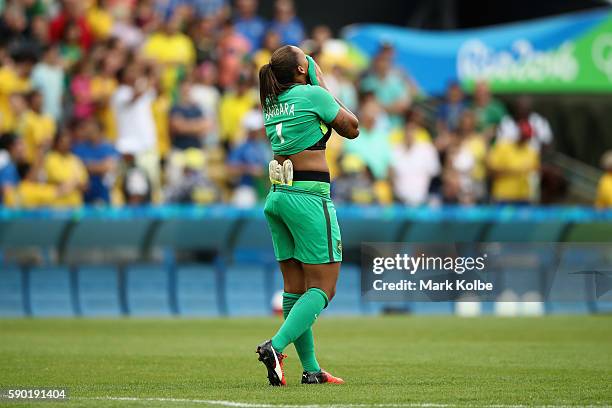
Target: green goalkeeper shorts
[303,223]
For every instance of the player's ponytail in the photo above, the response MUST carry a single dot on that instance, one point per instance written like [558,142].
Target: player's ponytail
[277,76]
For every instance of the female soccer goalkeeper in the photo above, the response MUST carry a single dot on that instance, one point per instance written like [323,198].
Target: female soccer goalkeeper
[299,114]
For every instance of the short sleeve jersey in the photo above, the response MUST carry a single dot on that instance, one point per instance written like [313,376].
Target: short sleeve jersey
[297,120]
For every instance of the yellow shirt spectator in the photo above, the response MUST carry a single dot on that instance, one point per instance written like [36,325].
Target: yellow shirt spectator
[65,168]
[512,164]
[477,145]
[172,50]
[33,194]
[37,130]
[232,109]
[604,191]
[102,89]
[100,21]
[421,135]
[261,58]
[161,109]
[10,83]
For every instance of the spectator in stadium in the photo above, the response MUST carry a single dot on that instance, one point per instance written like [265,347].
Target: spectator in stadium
[373,145]
[100,19]
[33,193]
[287,23]
[100,159]
[206,96]
[415,120]
[271,41]
[136,188]
[37,128]
[413,166]
[248,161]
[204,35]
[126,30]
[341,87]
[389,85]
[524,117]
[172,49]
[355,183]
[604,187]
[450,110]
[489,111]
[136,131]
[188,125]
[14,79]
[13,23]
[465,164]
[11,155]
[48,77]
[194,187]
[233,106]
[80,87]
[72,17]
[249,24]
[103,85]
[62,168]
[511,164]
[232,48]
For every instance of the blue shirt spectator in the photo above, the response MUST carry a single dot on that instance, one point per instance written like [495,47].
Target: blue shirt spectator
[252,29]
[450,111]
[185,140]
[203,8]
[249,160]
[100,159]
[249,24]
[11,148]
[187,122]
[287,24]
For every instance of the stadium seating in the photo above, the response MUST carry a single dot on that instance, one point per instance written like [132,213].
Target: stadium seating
[203,233]
[356,230]
[245,290]
[51,291]
[347,300]
[11,292]
[104,233]
[443,232]
[147,290]
[196,290]
[524,232]
[98,290]
[43,234]
[590,232]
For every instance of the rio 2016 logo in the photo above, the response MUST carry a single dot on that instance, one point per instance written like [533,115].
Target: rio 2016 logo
[602,54]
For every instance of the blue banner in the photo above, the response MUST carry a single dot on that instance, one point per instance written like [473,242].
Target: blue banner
[568,53]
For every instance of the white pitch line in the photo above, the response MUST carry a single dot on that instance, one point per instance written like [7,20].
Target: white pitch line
[238,404]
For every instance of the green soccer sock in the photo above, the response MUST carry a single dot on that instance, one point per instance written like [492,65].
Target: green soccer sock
[301,317]
[304,345]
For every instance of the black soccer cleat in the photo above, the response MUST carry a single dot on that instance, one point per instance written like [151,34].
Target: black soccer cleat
[320,377]
[273,360]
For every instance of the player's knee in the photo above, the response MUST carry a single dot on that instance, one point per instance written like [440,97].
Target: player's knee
[330,292]
[297,289]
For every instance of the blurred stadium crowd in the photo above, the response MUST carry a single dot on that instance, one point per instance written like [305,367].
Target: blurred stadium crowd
[124,102]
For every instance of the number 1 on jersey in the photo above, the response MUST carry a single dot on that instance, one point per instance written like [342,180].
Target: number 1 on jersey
[279,131]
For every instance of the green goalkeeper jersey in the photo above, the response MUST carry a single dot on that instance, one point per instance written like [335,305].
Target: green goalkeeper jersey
[299,118]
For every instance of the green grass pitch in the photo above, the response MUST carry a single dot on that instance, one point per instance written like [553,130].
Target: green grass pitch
[389,361]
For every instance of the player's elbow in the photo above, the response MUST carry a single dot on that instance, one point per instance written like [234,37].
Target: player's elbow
[353,133]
